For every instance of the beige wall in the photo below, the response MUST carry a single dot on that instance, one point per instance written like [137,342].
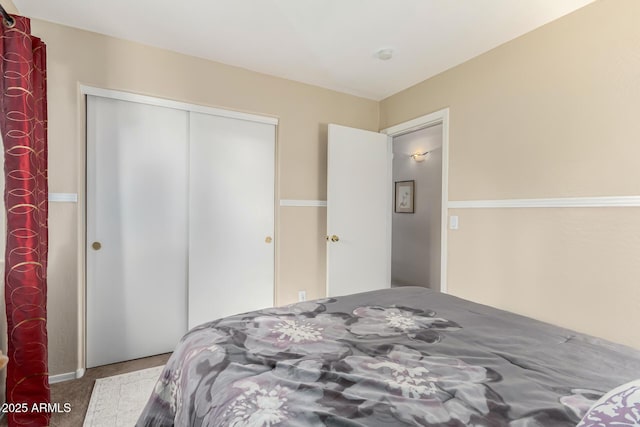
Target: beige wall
[79,57]
[9,6]
[573,267]
[553,113]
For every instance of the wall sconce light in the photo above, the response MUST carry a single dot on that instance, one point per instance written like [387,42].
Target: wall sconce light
[419,157]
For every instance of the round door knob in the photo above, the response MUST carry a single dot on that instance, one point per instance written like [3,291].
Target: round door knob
[268,239]
[334,238]
[96,246]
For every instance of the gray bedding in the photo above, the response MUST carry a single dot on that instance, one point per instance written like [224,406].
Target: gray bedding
[398,357]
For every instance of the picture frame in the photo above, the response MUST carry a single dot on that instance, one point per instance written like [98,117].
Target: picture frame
[404,196]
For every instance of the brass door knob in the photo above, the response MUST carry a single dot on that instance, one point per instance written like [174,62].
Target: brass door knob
[334,238]
[96,246]
[268,239]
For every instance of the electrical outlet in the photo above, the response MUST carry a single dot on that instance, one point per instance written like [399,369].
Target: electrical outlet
[302,295]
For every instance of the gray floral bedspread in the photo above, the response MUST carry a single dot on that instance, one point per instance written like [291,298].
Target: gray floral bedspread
[397,357]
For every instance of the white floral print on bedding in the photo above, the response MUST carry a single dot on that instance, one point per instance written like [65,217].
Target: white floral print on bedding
[620,407]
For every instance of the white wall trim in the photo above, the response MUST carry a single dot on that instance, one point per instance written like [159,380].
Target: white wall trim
[303,203]
[66,377]
[428,120]
[559,202]
[418,123]
[62,377]
[162,102]
[63,197]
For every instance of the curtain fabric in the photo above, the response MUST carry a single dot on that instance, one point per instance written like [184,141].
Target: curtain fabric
[23,123]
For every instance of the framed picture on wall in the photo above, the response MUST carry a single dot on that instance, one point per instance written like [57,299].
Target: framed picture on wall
[405,191]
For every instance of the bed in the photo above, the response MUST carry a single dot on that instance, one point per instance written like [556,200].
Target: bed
[397,357]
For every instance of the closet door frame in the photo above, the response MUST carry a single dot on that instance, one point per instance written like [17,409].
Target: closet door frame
[82,205]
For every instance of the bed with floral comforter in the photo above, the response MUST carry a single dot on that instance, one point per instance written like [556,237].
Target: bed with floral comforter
[397,357]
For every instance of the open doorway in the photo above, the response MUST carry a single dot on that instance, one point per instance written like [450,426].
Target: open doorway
[417,216]
[367,218]
[436,120]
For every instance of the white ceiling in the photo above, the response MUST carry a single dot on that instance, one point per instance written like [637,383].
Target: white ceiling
[328,43]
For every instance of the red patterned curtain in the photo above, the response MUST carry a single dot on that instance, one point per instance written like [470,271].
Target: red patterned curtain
[23,123]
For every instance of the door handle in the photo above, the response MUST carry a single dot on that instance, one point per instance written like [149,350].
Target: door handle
[96,246]
[268,239]
[334,238]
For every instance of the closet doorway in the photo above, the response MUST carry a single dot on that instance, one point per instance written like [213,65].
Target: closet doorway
[417,215]
[180,220]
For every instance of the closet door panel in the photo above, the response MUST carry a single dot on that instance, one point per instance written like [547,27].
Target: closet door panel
[231,208]
[137,201]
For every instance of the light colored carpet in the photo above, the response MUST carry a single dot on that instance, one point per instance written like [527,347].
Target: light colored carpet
[118,401]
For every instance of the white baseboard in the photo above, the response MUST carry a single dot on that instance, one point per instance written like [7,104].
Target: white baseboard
[66,377]
[62,377]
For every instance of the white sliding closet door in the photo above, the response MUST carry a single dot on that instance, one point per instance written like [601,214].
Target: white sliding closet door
[137,229]
[231,252]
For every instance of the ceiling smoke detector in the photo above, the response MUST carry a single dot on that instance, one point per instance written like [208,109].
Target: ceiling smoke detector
[384,54]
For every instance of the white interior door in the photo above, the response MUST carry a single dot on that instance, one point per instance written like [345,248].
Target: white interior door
[231,252]
[137,160]
[358,211]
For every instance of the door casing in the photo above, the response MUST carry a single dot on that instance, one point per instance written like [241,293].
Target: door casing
[428,120]
[85,90]
[432,119]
